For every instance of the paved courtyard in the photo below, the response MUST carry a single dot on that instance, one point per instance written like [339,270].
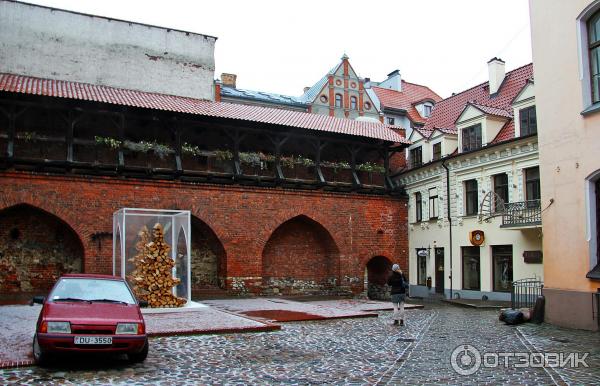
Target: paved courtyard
[340,351]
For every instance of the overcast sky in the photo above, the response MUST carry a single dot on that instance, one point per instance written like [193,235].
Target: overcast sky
[281,46]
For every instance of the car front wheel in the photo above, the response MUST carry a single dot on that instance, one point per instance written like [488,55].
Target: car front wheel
[39,356]
[138,357]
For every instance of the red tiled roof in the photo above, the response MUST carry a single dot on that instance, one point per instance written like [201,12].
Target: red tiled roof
[447,111]
[506,132]
[83,91]
[492,110]
[406,99]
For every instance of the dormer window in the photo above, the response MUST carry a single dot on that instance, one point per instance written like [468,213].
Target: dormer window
[416,157]
[427,110]
[471,138]
[391,120]
[437,151]
[528,121]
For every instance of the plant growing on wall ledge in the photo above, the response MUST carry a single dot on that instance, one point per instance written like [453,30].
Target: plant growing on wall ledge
[28,136]
[186,148]
[108,142]
[370,167]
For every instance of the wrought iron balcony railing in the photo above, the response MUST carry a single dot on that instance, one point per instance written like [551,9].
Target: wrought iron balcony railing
[522,214]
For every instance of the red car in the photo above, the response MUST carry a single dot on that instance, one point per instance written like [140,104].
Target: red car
[90,313]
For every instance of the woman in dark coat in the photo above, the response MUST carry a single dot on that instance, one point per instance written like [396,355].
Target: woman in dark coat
[399,285]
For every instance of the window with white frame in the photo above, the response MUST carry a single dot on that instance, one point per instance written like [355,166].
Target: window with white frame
[427,110]
[589,52]
[471,197]
[433,203]
[418,207]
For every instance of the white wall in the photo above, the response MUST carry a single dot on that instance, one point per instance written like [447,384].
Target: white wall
[511,159]
[49,43]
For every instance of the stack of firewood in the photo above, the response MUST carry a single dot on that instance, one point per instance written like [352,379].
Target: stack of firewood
[152,278]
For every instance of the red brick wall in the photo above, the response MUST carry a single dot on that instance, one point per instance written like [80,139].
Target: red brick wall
[242,218]
[35,249]
[300,254]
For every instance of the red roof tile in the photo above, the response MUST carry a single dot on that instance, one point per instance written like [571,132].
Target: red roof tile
[82,91]
[492,110]
[406,99]
[506,132]
[447,111]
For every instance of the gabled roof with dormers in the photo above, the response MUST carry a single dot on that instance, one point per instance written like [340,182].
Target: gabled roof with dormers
[447,111]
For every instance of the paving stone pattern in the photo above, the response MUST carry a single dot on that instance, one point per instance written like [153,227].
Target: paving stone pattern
[341,351]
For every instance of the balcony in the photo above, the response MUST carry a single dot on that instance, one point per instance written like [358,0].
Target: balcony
[522,215]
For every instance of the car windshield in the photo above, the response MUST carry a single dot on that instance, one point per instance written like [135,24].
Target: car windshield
[81,289]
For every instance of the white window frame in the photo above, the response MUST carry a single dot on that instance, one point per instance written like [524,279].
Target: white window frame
[584,53]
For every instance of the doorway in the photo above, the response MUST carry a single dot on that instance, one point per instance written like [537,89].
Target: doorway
[439,270]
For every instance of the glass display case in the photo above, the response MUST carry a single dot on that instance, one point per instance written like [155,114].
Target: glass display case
[151,250]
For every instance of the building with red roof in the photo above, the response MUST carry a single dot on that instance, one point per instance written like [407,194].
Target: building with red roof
[473,182]
[108,114]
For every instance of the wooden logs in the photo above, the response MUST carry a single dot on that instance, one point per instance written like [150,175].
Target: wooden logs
[152,278]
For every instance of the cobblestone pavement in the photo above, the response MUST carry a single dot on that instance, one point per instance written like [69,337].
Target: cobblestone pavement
[342,351]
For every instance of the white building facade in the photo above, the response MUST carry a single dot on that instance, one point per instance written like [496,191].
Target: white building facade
[477,154]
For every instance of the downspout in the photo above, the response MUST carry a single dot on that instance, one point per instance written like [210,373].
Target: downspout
[449,221]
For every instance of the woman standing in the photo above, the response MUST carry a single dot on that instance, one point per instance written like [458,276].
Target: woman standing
[399,285]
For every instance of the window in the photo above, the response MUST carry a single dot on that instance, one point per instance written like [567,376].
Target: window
[338,100]
[528,121]
[391,121]
[437,151]
[471,273]
[532,184]
[416,157]
[500,188]
[593,26]
[503,267]
[471,138]
[353,103]
[471,197]
[418,207]
[433,203]
[427,110]
[421,267]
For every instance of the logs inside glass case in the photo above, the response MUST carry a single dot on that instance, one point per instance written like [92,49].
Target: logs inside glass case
[152,279]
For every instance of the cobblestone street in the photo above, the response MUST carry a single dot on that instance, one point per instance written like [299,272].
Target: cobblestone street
[341,351]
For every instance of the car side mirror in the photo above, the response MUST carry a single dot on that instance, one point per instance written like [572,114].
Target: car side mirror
[37,300]
[143,303]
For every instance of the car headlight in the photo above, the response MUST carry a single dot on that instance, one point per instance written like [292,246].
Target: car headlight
[127,328]
[58,327]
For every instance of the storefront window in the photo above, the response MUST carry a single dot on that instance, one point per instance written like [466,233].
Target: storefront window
[471,268]
[503,267]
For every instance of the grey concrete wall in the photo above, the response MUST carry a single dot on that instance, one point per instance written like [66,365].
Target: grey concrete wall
[49,43]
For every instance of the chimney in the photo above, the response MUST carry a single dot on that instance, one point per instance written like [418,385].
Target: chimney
[393,81]
[306,89]
[228,80]
[496,71]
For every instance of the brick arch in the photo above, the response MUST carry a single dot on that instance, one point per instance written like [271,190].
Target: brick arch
[36,247]
[300,256]
[208,257]
[378,269]
[281,217]
[63,215]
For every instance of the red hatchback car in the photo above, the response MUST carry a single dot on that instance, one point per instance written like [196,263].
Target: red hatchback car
[90,313]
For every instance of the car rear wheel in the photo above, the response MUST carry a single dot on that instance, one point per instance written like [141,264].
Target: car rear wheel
[39,356]
[139,356]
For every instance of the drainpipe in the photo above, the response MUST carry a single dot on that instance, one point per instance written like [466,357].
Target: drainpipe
[449,221]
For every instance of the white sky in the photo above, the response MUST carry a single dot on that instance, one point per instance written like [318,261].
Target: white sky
[281,46]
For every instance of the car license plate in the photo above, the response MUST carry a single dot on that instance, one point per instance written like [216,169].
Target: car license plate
[93,340]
